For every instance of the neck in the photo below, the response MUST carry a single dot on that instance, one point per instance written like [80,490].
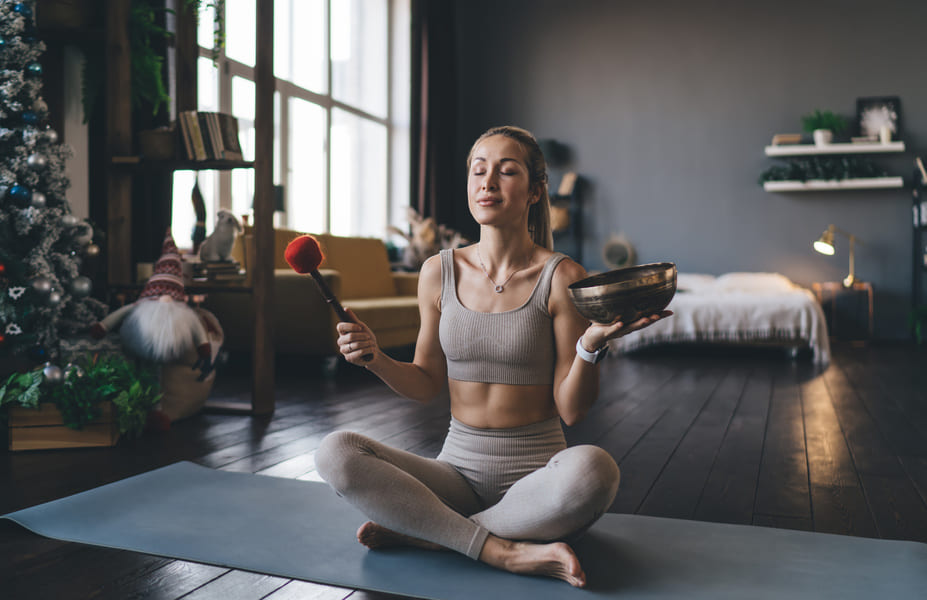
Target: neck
[503,251]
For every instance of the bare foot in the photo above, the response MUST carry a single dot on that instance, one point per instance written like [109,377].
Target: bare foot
[374,535]
[552,560]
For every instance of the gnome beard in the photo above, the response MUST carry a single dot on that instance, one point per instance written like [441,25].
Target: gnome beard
[162,330]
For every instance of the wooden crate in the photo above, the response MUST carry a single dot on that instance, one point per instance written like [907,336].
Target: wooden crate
[42,428]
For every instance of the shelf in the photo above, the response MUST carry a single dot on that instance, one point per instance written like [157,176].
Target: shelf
[136,163]
[869,183]
[843,148]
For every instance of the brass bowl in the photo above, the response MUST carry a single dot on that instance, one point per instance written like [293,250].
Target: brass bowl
[628,294]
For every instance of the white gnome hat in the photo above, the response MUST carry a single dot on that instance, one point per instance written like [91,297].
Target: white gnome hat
[167,276]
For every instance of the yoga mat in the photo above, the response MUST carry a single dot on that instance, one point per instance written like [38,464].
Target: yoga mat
[302,530]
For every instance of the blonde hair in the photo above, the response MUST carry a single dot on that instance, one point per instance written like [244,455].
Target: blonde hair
[539,212]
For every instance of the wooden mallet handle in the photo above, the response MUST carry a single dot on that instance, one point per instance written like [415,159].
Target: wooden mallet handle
[304,255]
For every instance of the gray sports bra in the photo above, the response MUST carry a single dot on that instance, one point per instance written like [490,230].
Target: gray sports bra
[514,347]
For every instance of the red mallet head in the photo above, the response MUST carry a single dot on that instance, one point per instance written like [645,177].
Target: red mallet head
[304,254]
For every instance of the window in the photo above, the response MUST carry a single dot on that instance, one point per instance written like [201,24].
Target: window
[341,109]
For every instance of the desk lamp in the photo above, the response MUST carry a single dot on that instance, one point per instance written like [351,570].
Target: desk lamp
[825,245]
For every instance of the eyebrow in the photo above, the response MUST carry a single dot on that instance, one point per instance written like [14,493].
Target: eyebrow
[480,158]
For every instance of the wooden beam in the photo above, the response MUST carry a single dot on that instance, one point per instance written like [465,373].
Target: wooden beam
[118,143]
[185,55]
[262,400]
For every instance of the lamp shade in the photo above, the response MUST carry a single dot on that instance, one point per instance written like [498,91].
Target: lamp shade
[825,243]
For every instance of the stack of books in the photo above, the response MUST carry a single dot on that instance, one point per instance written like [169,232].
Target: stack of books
[209,135]
[218,271]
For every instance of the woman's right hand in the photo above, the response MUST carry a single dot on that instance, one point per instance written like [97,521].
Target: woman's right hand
[356,341]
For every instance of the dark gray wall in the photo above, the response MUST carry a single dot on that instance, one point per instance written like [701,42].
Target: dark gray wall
[667,107]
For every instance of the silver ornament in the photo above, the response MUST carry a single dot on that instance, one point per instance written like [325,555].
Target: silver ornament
[72,371]
[39,106]
[51,136]
[83,235]
[69,221]
[81,286]
[54,298]
[37,161]
[53,374]
[38,200]
[92,250]
[42,284]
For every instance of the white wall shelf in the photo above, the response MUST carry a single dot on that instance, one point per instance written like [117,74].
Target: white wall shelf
[811,149]
[868,183]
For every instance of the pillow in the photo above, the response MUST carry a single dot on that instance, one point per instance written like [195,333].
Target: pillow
[754,282]
[694,282]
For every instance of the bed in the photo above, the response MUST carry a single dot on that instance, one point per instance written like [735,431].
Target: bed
[738,308]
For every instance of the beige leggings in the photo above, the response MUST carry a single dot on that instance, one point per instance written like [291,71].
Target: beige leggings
[521,484]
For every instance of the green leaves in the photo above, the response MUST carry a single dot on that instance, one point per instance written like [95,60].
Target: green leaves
[823,120]
[22,388]
[133,388]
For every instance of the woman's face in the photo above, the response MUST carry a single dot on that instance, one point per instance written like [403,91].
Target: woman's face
[498,185]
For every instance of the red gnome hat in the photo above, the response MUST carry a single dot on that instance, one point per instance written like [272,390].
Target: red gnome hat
[167,276]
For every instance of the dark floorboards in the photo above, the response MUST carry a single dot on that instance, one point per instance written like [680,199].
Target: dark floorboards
[730,436]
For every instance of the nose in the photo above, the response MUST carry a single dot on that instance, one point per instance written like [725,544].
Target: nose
[491,180]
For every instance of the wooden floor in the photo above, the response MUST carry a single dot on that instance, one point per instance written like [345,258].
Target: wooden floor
[734,437]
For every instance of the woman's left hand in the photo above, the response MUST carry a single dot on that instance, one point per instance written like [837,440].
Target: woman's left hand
[597,334]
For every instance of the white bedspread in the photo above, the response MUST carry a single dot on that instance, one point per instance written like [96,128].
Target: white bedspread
[738,308]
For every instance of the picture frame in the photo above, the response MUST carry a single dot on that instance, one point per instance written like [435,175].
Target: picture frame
[874,112]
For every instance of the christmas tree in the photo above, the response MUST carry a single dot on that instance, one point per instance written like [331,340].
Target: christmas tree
[43,296]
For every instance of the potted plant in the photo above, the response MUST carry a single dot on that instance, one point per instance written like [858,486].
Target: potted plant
[823,125]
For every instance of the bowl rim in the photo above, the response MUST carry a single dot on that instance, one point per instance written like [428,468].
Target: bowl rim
[593,282]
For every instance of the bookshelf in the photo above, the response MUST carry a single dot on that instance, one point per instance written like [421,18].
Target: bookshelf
[119,175]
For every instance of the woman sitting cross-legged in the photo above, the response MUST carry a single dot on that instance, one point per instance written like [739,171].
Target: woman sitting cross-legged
[498,329]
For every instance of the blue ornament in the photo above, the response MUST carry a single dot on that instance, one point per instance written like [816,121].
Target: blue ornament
[2,42]
[21,195]
[34,69]
[30,118]
[22,9]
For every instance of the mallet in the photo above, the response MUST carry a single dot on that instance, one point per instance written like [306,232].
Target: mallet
[304,255]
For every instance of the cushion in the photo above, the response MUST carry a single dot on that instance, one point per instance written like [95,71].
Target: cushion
[760,283]
[363,264]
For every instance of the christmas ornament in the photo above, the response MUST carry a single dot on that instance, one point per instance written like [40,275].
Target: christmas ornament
[53,374]
[51,136]
[38,200]
[30,117]
[68,221]
[20,195]
[81,286]
[92,250]
[2,42]
[54,298]
[22,9]
[83,235]
[72,371]
[2,268]
[34,69]
[13,329]
[16,292]
[42,285]
[37,161]
[40,106]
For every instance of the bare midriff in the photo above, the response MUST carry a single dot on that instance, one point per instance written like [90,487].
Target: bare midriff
[500,405]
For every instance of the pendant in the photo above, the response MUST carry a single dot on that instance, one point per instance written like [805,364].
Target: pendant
[498,289]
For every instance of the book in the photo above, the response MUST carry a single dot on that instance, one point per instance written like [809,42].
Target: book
[196,135]
[208,140]
[228,131]
[786,138]
[184,132]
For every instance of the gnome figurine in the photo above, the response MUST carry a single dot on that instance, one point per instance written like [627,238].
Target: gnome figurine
[160,326]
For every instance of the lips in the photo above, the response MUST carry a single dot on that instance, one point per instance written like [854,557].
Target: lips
[487,201]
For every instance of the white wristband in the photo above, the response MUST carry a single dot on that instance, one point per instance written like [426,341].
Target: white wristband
[590,357]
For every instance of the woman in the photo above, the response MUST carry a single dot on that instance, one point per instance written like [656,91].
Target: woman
[499,329]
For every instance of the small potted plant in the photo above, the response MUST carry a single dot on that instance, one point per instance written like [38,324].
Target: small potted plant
[823,125]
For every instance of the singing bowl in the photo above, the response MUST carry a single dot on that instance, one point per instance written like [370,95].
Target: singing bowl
[626,294]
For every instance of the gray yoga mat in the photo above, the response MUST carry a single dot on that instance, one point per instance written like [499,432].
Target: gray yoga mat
[302,530]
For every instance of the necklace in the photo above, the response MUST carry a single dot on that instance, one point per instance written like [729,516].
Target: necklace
[500,287]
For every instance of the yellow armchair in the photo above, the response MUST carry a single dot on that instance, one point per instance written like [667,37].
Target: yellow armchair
[358,271]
